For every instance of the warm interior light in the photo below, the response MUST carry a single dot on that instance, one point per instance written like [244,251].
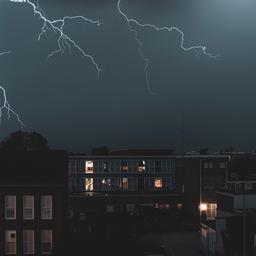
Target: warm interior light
[158,183]
[203,207]
[89,166]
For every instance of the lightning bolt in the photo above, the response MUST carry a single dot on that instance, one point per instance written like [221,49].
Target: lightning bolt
[57,26]
[6,106]
[130,21]
[3,53]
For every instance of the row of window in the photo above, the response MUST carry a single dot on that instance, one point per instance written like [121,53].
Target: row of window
[239,187]
[28,242]
[116,184]
[209,210]
[28,207]
[211,186]
[123,166]
[210,165]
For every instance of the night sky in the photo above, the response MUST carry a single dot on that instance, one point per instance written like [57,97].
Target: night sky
[65,101]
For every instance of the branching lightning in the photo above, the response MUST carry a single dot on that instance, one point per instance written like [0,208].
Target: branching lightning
[57,26]
[130,21]
[6,106]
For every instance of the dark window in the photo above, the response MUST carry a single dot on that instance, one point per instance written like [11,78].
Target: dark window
[124,166]
[222,186]
[252,172]
[106,184]
[141,184]
[211,186]
[158,166]
[105,166]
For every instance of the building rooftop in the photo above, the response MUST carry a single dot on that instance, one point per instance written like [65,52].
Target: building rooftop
[33,167]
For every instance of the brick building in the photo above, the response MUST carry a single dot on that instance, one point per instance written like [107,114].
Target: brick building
[33,195]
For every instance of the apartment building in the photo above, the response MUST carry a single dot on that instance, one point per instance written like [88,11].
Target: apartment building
[117,174]
[33,196]
[233,231]
[125,179]
[199,177]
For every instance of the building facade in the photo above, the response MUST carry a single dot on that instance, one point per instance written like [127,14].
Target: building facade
[233,231]
[199,177]
[33,196]
[120,174]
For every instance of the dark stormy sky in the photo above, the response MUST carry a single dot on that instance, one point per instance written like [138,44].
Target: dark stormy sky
[65,101]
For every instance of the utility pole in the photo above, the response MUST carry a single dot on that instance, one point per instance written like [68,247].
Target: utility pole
[244,223]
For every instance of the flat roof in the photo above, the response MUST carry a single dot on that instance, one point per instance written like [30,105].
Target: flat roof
[148,156]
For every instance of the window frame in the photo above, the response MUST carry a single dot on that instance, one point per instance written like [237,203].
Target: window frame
[33,242]
[46,241]
[43,208]
[33,207]
[161,183]
[124,166]
[6,207]
[6,241]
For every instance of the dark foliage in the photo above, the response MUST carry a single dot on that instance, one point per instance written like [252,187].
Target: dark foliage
[24,141]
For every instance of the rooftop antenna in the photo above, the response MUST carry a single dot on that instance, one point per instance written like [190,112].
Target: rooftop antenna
[183,132]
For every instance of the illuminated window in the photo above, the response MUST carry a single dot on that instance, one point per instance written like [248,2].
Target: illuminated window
[46,241]
[28,242]
[123,183]
[141,166]
[211,211]
[46,207]
[124,166]
[158,183]
[89,166]
[205,165]
[10,242]
[203,207]
[211,165]
[28,207]
[89,184]
[164,206]
[106,184]
[179,206]
[10,207]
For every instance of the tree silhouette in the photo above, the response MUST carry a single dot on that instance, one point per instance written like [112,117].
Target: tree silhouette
[24,141]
